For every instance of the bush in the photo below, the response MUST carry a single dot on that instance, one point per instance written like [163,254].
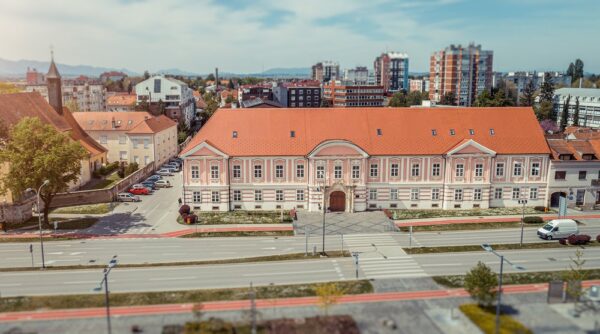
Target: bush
[533,220]
[581,239]
[131,168]
[184,209]
[540,208]
[562,241]
[480,283]
[598,238]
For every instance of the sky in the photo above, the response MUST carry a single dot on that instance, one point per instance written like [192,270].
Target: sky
[249,36]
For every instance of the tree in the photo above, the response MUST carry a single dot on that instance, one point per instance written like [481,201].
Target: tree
[485,99]
[211,105]
[329,295]
[575,276]
[231,85]
[3,131]
[544,110]
[72,105]
[414,98]
[481,283]
[146,75]
[448,99]
[549,125]
[7,88]
[38,152]
[399,100]
[564,117]
[576,112]
[571,70]
[528,96]
[161,107]
[547,89]
[578,70]
[210,77]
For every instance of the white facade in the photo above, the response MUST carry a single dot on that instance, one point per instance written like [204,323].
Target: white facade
[177,97]
[589,105]
[576,180]
[89,97]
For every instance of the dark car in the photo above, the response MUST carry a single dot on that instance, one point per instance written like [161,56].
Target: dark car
[149,184]
[154,177]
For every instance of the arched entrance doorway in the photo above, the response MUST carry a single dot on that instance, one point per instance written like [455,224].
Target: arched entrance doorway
[337,201]
[555,199]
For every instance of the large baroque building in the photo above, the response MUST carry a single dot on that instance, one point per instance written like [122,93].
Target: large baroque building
[366,158]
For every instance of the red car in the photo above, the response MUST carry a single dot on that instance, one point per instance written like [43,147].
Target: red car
[139,191]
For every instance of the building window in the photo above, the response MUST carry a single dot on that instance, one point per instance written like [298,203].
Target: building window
[435,170]
[214,172]
[215,197]
[237,195]
[500,169]
[533,193]
[195,172]
[498,193]
[414,170]
[103,139]
[560,175]
[299,171]
[582,175]
[320,172]
[394,194]
[460,170]
[355,172]
[279,171]
[337,172]
[373,194]
[279,195]
[123,155]
[374,170]
[122,140]
[477,194]
[146,143]
[478,170]
[535,169]
[518,169]
[197,197]
[435,194]
[414,194]
[458,194]
[258,195]
[516,193]
[394,170]
[299,195]
[237,171]
[258,171]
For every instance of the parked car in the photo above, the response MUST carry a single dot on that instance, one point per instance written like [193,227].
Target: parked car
[558,228]
[164,172]
[149,184]
[138,186]
[139,191]
[127,197]
[162,184]
[177,160]
[173,168]
[154,177]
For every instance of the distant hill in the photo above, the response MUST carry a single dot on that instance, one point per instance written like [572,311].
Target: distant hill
[18,68]
[176,71]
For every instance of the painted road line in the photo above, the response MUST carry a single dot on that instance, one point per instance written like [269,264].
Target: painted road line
[291,273]
[172,278]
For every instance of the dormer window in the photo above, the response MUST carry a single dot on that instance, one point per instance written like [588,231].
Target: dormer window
[471,132]
[433,132]
[234,134]
[565,157]
[292,134]
[588,157]
[492,132]
[452,133]
[379,133]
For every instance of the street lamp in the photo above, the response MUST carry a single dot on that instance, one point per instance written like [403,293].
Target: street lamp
[524,202]
[37,193]
[488,248]
[111,264]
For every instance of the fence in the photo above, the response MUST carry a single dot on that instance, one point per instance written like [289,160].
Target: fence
[101,195]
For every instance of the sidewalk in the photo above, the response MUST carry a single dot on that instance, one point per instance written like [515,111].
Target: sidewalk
[484,219]
[236,305]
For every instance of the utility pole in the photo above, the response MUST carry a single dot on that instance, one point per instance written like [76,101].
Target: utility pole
[111,264]
[252,309]
[524,202]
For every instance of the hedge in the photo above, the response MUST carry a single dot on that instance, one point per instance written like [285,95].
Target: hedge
[533,220]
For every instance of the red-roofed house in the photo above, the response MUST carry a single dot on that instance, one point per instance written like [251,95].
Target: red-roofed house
[121,102]
[354,159]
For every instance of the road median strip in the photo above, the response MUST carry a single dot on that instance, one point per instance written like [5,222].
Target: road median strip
[268,258]
[543,277]
[477,248]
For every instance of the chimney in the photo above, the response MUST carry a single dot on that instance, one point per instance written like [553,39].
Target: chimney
[114,124]
[216,79]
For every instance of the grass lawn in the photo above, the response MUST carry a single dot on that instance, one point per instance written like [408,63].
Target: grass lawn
[241,217]
[107,182]
[30,240]
[64,224]
[240,234]
[15,304]
[457,281]
[416,214]
[477,248]
[282,257]
[465,226]
[485,319]
[101,208]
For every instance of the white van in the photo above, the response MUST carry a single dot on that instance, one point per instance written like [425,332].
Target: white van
[558,228]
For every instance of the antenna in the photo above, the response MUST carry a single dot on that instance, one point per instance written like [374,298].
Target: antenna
[52,52]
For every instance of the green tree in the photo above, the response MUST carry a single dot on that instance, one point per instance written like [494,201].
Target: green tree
[485,99]
[161,107]
[131,168]
[399,100]
[449,99]
[7,88]
[528,96]
[481,283]
[231,84]
[72,105]
[38,152]
[210,77]
[547,89]
[544,110]
[576,112]
[146,75]
[414,98]
[571,70]
[575,276]
[578,70]
[564,116]
[211,105]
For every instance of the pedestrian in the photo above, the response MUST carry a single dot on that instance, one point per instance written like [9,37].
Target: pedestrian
[179,200]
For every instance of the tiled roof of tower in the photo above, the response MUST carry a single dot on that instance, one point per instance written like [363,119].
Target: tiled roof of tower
[404,131]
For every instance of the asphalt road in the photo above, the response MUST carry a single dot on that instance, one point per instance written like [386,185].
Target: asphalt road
[288,272]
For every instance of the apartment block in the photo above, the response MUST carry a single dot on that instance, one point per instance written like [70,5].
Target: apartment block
[347,94]
[299,94]
[326,71]
[391,71]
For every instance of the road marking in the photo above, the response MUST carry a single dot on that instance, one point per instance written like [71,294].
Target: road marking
[6,285]
[172,278]
[56,253]
[83,282]
[269,248]
[77,253]
[167,254]
[291,273]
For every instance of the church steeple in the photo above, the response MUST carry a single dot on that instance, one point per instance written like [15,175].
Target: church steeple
[53,81]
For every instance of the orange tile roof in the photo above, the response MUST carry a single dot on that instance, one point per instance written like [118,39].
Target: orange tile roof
[405,131]
[101,120]
[575,147]
[121,100]
[77,133]
[154,125]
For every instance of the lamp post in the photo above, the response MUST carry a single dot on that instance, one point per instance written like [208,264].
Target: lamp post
[324,211]
[111,264]
[488,248]
[37,193]
[524,202]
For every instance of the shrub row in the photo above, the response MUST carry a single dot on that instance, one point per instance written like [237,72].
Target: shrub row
[106,170]
[186,214]
[580,239]
[533,220]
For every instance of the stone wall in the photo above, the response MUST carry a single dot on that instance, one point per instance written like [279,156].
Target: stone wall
[17,212]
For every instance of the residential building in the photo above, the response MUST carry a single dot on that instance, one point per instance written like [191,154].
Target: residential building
[463,71]
[446,158]
[391,71]
[121,102]
[522,79]
[86,95]
[112,76]
[358,75]
[326,71]
[251,92]
[419,85]
[574,172]
[33,77]
[589,105]
[299,94]
[170,95]
[132,136]
[346,94]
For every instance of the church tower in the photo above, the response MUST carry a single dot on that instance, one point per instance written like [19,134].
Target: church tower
[54,87]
